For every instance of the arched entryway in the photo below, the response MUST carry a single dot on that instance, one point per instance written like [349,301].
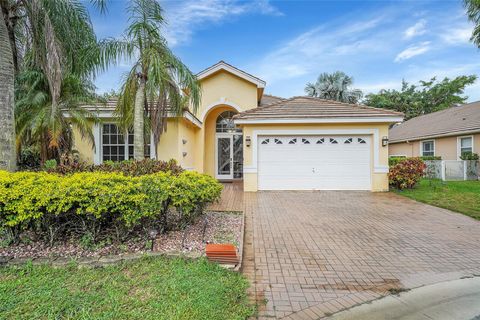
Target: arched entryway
[228,147]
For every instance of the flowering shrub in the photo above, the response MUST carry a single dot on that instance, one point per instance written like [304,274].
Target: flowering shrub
[127,167]
[53,205]
[406,173]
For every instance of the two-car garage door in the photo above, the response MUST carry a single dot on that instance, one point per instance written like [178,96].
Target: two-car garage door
[314,163]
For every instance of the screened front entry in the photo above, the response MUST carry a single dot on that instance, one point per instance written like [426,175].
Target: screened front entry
[228,148]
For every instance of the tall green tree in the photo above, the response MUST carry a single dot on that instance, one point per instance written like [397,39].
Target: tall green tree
[7,79]
[53,41]
[158,82]
[473,14]
[426,97]
[334,86]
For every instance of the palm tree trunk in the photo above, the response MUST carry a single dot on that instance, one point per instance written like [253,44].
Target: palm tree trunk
[138,120]
[7,118]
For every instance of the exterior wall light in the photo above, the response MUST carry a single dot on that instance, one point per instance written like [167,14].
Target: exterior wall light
[184,154]
[184,141]
[385,141]
[248,141]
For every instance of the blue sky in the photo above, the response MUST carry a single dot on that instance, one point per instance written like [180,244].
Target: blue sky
[288,43]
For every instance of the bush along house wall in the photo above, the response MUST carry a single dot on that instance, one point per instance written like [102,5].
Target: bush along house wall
[53,206]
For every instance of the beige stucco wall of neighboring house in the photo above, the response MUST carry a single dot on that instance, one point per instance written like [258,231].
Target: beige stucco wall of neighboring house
[445,147]
[83,146]
[379,180]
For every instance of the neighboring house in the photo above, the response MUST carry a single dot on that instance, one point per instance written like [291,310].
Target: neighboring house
[239,132]
[445,133]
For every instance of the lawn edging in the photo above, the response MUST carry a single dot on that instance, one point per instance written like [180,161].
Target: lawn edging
[93,262]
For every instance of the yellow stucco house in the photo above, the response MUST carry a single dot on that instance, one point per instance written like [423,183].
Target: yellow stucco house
[270,143]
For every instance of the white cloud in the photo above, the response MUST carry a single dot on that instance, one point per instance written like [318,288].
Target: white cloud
[322,46]
[413,51]
[185,17]
[457,35]
[416,30]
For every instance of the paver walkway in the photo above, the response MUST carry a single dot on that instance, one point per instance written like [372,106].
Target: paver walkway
[311,254]
[232,198]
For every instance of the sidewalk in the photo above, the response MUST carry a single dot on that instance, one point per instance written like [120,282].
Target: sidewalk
[458,300]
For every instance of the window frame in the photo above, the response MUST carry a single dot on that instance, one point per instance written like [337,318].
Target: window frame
[126,144]
[422,150]
[459,145]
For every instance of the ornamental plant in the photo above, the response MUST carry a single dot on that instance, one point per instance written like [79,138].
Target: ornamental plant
[469,156]
[127,167]
[92,203]
[406,173]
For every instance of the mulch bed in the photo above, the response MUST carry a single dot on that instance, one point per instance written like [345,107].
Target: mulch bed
[220,227]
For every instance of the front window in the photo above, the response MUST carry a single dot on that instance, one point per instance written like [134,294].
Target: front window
[225,123]
[428,148]
[118,145]
[466,145]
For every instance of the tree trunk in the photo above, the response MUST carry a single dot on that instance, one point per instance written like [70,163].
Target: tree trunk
[7,118]
[138,120]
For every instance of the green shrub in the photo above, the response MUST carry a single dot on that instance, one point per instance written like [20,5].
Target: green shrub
[91,202]
[426,158]
[394,160]
[50,164]
[127,167]
[397,159]
[29,158]
[469,156]
[406,173]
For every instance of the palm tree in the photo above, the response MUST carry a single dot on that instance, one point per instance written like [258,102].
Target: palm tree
[35,116]
[334,86]
[473,14]
[7,121]
[50,42]
[158,82]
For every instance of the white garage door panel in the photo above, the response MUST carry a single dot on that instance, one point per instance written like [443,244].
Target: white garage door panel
[325,166]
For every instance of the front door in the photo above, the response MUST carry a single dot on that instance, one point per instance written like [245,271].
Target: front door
[224,157]
[228,156]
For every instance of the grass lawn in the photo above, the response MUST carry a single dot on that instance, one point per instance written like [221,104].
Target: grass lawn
[460,196]
[151,288]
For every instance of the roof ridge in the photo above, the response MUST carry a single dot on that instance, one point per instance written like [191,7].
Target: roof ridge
[274,96]
[451,108]
[230,65]
[262,107]
[351,104]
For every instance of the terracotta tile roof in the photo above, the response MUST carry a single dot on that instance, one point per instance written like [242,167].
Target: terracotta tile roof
[463,119]
[308,107]
[268,99]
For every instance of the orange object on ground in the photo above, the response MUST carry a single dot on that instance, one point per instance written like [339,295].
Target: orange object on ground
[222,253]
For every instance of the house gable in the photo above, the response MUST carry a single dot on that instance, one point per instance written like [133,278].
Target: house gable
[226,88]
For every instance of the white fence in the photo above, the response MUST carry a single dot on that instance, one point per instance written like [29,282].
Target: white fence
[449,170]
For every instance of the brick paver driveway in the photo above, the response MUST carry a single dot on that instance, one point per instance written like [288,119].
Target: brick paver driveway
[309,254]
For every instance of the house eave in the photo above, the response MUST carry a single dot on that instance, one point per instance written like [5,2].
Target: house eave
[239,73]
[433,136]
[320,120]
[108,114]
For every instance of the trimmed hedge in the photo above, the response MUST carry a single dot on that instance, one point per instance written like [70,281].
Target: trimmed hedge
[395,160]
[53,206]
[127,167]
